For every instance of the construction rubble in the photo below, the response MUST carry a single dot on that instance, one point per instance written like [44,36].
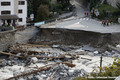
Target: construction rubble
[56,62]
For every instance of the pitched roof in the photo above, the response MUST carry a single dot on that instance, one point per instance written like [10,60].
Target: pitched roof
[5,17]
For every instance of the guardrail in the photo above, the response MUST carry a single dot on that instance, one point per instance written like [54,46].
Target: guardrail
[53,20]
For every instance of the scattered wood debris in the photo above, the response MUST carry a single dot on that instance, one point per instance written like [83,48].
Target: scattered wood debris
[10,54]
[47,67]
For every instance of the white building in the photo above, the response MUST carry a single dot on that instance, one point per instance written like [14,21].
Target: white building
[13,11]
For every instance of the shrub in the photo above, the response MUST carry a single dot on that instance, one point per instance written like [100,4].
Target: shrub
[42,13]
[107,11]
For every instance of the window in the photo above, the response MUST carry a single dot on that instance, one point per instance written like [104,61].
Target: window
[20,19]
[5,3]
[5,12]
[21,2]
[20,11]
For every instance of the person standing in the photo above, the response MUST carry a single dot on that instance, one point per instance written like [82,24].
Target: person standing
[85,13]
[107,23]
[104,23]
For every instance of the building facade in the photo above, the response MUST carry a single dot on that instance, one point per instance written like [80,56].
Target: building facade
[13,11]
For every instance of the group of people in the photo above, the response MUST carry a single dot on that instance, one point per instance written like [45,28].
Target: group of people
[8,24]
[106,22]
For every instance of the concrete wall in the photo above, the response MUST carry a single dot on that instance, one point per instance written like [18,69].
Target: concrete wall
[24,14]
[15,7]
[9,8]
[7,39]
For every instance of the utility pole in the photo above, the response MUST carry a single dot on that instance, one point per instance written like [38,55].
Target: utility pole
[101,63]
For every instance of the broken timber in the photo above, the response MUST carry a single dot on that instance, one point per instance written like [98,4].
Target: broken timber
[10,54]
[31,45]
[47,67]
[59,57]
[28,51]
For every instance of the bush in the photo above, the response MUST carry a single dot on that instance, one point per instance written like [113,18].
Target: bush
[42,13]
[110,71]
[107,11]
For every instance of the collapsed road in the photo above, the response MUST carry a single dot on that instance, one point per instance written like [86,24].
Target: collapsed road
[56,54]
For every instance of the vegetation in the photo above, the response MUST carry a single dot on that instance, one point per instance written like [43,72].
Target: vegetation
[92,4]
[81,78]
[118,5]
[58,7]
[42,13]
[108,71]
[108,12]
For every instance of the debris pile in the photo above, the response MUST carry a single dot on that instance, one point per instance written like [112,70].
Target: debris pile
[56,62]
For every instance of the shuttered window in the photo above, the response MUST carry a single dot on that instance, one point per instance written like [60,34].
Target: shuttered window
[21,2]
[5,3]
[5,12]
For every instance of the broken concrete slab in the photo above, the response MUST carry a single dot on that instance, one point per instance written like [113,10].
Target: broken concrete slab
[88,48]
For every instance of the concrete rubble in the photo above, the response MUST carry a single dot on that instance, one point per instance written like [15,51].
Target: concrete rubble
[56,62]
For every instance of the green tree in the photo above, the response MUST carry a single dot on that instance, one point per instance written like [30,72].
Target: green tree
[92,4]
[105,2]
[118,5]
[64,3]
[34,4]
[42,13]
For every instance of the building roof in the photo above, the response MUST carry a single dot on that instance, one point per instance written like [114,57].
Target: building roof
[6,17]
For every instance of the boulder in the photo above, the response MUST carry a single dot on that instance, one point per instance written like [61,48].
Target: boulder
[63,74]
[70,72]
[107,53]
[88,48]
[43,76]
[96,52]
[90,54]
[34,59]
[79,50]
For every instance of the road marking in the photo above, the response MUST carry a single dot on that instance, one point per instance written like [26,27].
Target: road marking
[87,18]
[77,23]
[82,19]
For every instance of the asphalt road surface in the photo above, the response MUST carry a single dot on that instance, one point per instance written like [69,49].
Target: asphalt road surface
[81,22]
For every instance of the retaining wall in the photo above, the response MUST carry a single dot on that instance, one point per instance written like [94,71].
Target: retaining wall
[7,38]
[76,37]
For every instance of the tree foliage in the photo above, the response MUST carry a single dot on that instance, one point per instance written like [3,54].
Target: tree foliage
[34,4]
[105,2]
[92,4]
[108,71]
[59,6]
[42,13]
[118,5]
[64,3]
